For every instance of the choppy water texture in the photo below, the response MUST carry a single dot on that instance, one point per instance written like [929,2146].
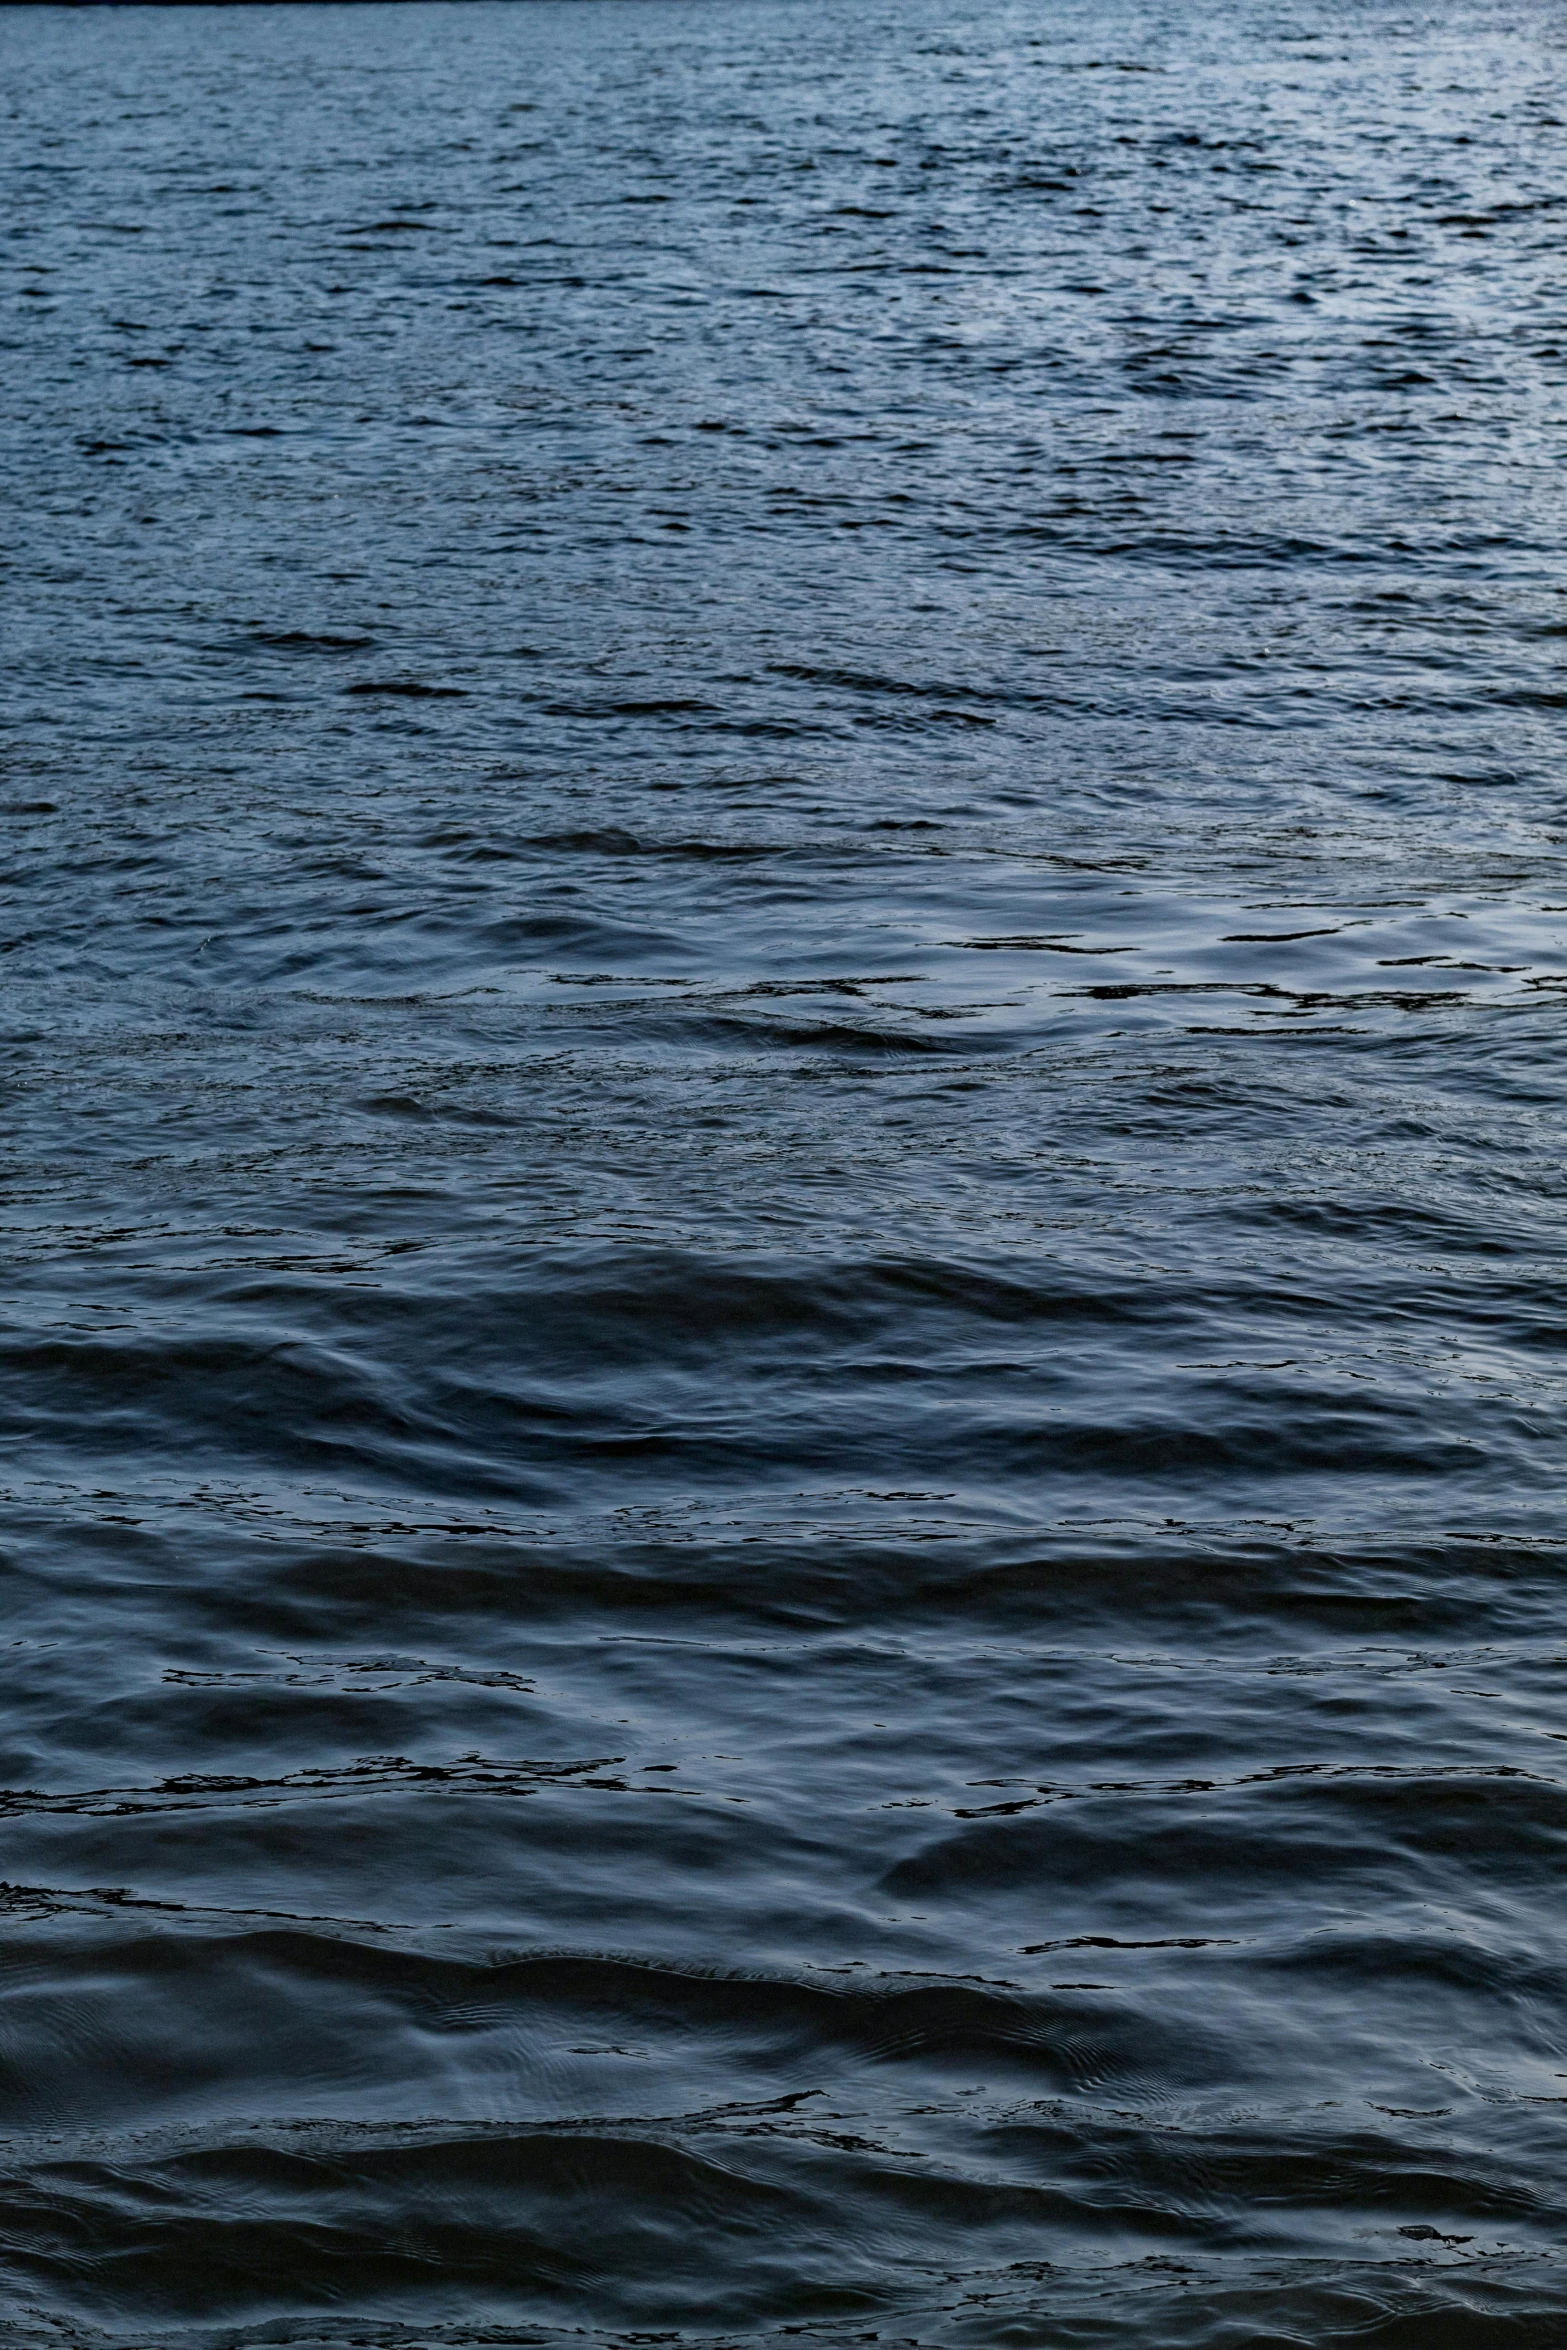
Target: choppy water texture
[784,948]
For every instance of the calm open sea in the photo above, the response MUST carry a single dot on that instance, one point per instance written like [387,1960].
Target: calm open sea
[785,948]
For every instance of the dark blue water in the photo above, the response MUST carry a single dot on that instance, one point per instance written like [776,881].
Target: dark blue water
[785,930]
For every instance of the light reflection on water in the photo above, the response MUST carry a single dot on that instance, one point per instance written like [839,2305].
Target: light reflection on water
[785,923]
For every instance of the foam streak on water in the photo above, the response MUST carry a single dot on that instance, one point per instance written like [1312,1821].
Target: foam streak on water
[781,1358]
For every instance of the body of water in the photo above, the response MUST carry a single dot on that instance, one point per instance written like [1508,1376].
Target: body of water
[784,949]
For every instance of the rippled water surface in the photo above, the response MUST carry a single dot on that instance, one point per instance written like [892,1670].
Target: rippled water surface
[785,931]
